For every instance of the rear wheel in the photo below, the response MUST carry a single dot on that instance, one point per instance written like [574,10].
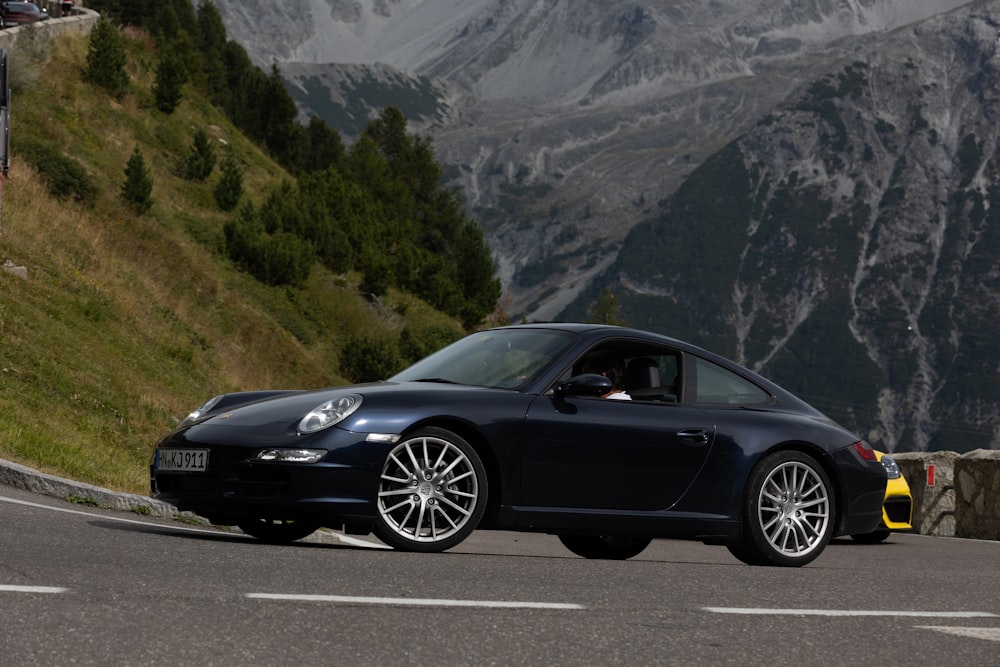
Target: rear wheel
[277,531]
[431,493]
[605,547]
[788,514]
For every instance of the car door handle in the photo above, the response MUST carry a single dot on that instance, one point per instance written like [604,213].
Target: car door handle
[693,436]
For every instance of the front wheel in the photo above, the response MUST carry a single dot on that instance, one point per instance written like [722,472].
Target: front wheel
[605,547]
[277,531]
[431,493]
[788,514]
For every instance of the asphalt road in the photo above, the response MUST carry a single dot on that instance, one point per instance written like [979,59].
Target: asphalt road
[81,585]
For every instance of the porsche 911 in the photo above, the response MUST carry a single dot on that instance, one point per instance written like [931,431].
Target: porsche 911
[510,429]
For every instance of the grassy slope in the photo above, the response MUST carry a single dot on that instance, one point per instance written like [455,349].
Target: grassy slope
[127,322]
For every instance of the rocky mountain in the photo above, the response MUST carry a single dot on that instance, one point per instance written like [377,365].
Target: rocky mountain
[566,120]
[848,243]
[808,186]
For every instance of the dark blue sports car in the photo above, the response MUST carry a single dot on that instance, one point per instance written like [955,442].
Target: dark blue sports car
[604,436]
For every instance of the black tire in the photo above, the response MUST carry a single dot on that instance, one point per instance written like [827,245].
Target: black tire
[605,547]
[431,493]
[873,537]
[277,531]
[788,512]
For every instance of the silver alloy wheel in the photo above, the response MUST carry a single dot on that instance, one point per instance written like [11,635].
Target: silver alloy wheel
[429,491]
[793,509]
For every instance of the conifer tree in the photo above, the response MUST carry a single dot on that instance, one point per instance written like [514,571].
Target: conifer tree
[210,38]
[279,112]
[229,190]
[605,310]
[106,58]
[129,12]
[477,274]
[201,160]
[170,20]
[138,187]
[325,147]
[170,76]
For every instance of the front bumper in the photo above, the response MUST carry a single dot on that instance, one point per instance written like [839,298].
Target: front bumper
[897,510]
[236,486]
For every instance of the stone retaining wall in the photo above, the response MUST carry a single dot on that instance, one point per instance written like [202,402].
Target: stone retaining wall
[81,20]
[954,495]
[977,494]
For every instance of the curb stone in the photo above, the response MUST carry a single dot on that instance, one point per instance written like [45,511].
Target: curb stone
[22,477]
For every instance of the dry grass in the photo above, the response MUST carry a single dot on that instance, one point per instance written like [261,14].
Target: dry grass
[127,323]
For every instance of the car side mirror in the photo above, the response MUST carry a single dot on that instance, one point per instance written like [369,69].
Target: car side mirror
[588,384]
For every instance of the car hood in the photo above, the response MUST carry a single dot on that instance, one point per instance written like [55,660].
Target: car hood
[386,407]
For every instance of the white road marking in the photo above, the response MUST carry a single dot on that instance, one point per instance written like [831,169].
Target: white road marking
[415,602]
[989,634]
[32,589]
[352,541]
[849,612]
[104,516]
[359,542]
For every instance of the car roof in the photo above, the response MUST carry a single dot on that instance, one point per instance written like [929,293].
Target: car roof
[593,332]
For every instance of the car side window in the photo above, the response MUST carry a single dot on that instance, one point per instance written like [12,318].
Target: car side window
[653,376]
[638,372]
[718,385]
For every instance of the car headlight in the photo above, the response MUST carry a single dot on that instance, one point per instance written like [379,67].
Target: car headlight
[891,469]
[291,455]
[200,412]
[329,413]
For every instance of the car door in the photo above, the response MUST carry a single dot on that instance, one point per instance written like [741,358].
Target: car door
[606,454]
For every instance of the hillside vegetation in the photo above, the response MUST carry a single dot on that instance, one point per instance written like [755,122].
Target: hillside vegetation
[128,321]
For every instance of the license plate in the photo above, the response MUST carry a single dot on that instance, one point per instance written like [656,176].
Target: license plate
[182,460]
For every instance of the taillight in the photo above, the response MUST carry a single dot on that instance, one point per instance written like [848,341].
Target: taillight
[865,451]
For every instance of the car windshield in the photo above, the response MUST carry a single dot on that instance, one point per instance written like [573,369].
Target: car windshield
[500,358]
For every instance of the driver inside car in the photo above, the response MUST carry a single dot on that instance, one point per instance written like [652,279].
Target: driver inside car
[611,368]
